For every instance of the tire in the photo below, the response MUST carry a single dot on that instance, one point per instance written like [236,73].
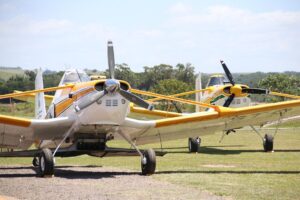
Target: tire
[46,163]
[268,143]
[149,157]
[194,144]
[35,162]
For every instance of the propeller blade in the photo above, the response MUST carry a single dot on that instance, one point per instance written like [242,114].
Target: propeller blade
[229,100]
[255,91]
[227,72]
[135,99]
[111,59]
[93,98]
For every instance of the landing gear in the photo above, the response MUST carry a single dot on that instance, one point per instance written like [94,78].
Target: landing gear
[268,143]
[148,162]
[268,140]
[46,163]
[194,144]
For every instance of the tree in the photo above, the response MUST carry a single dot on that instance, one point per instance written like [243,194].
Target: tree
[152,75]
[168,87]
[185,73]
[283,83]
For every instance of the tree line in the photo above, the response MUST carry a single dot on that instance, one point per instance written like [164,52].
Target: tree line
[163,79]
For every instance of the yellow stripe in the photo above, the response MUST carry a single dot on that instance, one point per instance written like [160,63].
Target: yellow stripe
[47,97]
[186,119]
[15,121]
[35,91]
[62,106]
[181,94]
[285,95]
[154,112]
[174,99]
[228,112]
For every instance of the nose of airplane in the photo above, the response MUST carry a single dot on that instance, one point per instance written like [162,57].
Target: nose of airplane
[112,85]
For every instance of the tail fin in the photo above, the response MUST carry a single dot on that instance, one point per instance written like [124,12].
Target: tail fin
[198,95]
[40,106]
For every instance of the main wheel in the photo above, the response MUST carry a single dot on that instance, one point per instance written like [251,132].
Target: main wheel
[148,162]
[35,162]
[194,144]
[46,163]
[268,143]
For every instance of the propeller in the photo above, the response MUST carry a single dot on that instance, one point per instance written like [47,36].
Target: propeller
[255,91]
[111,59]
[229,100]
[227,72]
[237,89]
[112,86]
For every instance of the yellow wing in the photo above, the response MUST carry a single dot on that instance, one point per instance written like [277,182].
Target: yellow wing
[203,123]
[31,98]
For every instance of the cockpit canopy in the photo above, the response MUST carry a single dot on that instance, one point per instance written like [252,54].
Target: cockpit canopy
[217,80]
[74,76]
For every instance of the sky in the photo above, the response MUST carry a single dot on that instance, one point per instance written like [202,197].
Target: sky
[250,36]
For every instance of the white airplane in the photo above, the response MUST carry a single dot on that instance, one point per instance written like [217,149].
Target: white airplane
[84,115]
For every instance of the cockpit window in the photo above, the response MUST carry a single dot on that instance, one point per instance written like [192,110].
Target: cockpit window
[217,80]
[74,76]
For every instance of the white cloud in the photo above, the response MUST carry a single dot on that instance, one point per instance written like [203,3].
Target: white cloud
[7,7]
[22,25]
[153,33]
[180,8]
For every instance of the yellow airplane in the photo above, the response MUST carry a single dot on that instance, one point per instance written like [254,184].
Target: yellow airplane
[84,115]
[223,91]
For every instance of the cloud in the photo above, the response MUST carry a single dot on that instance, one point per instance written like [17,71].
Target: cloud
[22,25]
[7,7]
[235,18]
[180,8]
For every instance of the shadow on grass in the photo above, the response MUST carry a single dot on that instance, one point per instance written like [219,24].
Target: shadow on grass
[80,174]
[227,172]
[69,172]
[216,151]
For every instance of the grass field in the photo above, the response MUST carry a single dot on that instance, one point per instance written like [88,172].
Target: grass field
[6,73]
[237,167]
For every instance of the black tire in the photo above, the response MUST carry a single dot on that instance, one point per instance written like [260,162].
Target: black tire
[268,143]
[46,163]
[194,144]
[35,162]
[148,168]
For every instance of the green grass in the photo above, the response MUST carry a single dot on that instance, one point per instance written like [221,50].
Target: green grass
[237,167]
[6,73]
[20,109]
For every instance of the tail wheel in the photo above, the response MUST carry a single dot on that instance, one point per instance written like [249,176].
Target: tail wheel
[148,162]
[194,144]
[268,143]
[46,163]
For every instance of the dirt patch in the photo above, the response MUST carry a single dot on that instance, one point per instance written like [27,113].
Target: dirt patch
[90,182]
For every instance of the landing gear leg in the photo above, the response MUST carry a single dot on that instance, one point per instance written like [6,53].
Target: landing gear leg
[194,144]
[148,157]
[268,140]
[46,163]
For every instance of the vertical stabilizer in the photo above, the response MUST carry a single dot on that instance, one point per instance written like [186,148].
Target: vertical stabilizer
[40,106]
[198,95]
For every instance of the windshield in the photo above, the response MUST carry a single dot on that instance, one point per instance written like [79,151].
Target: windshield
[217,80]
[74,76]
